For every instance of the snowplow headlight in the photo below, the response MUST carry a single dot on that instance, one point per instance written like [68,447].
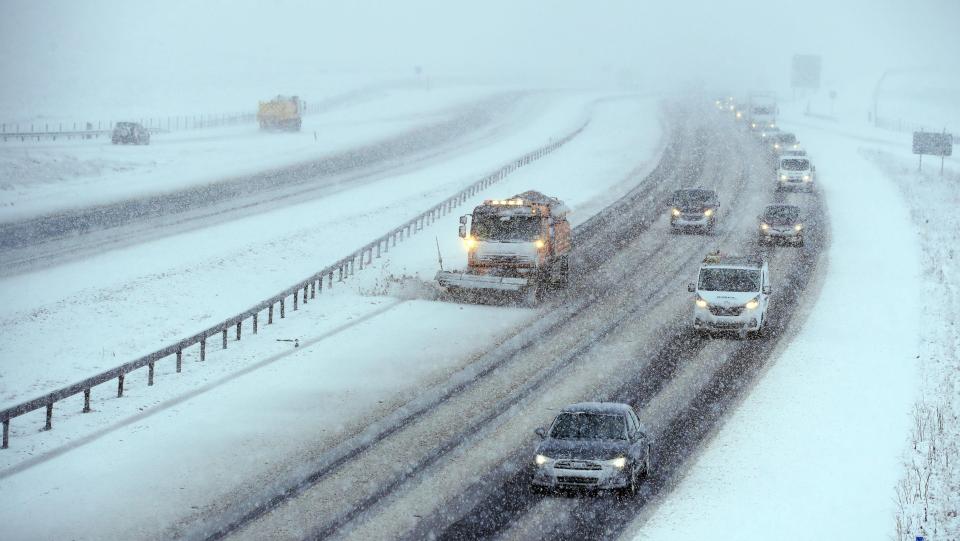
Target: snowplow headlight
[470,243]
[708,212]
[675,212]
[539,243]
[806,178]
[798,227]
[701,303]
[764,227]
[783,177]
[752,304]
[540,460]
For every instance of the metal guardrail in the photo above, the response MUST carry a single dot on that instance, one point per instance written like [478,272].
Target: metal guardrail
[305,289]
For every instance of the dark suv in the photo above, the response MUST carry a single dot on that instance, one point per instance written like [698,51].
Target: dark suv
[596,445]
[130,133]
[694,208]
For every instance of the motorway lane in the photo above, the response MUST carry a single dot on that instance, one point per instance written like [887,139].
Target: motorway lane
[337,499]
[705,379]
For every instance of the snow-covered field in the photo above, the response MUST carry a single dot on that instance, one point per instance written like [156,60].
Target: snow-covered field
[260,411]
[818,447]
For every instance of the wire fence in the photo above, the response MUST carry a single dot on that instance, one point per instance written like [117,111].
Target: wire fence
[275,308]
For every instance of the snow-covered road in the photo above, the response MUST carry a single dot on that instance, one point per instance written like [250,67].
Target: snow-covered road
[814,450]
[251,400]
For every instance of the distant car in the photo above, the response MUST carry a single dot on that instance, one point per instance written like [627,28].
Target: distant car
[596,445]
[781,222]
[782,141]
[694,208]
[732,294]
[130,133]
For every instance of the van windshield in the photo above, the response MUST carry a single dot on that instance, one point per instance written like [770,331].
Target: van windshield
[733,280]
[795,165]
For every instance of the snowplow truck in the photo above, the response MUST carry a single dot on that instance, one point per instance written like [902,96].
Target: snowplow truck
[518,245]
[281,113]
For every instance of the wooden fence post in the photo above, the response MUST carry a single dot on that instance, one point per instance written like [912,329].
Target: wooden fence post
[86,401]
[179,360]
[120,385]
[255,323]
[149,374]
[224,333]
[49,423]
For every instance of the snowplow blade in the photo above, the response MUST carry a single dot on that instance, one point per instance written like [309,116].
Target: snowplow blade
[479,281]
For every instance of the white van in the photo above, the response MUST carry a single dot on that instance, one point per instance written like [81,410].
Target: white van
[732,294]
[795,172]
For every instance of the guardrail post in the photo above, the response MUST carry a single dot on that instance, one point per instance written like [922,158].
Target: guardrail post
[283,313]
[305,292]
[49,423]
[295,295]
[255,323]
[313,288]
[120,385]
[149,374]
[6,434]
[179,360]
[239,325]
[270,315]
[203,349]
[224,333]
[330,282]
[340,278]
[86,401]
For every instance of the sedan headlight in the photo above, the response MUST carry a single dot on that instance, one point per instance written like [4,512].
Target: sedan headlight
[764,227]
[708,212]
[752,304]
[619,463]
[798,227]
[783,177]
[675,212]
[701,303]
[540,460]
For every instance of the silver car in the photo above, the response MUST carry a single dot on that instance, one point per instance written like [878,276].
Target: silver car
[593,445]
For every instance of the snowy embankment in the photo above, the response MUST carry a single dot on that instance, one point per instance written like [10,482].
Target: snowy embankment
[261,411]
[42,177]
[814,451]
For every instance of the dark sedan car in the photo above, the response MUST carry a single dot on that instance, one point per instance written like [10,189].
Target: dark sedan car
[130,133]
[597,445]
[781,223]
[694,208]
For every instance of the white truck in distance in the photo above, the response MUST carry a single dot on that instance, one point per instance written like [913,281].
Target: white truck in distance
[519,244]
[732,294]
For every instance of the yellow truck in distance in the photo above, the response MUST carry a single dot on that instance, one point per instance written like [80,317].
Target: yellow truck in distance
[281,113]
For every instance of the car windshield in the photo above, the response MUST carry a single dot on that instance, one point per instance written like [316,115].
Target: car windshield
[492,227]
[763,110]
[794,165]
[588,426]
[733,280]
[689,198]
[782,215]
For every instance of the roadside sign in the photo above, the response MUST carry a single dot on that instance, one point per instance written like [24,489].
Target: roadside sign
[933,144]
